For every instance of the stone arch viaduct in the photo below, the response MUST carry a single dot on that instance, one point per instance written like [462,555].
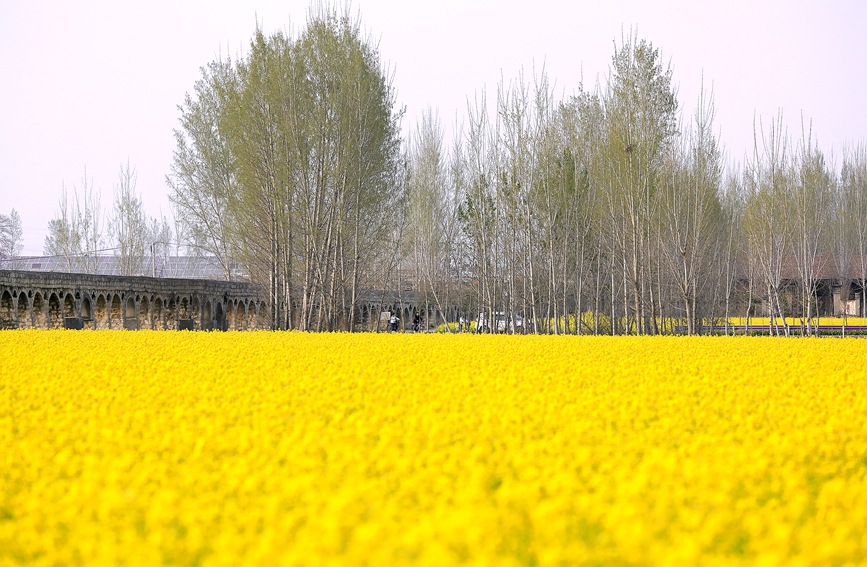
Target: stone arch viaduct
[54,300]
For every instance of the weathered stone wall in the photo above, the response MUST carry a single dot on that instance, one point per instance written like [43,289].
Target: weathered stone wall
[52,300]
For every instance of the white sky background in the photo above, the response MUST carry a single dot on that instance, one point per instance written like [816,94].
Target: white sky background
[98,83]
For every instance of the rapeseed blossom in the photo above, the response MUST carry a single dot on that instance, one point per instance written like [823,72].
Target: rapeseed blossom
[151,448]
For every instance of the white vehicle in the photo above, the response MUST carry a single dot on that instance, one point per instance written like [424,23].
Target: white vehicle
[483,323]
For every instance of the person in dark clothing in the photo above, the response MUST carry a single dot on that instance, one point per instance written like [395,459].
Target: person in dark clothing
[416,319]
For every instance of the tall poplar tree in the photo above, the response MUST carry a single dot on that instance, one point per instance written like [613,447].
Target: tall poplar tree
[640,124]
[287,159]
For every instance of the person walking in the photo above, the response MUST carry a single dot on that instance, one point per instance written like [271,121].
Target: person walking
[416,320]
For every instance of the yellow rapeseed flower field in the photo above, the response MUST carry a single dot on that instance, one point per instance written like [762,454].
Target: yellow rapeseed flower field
[152,448]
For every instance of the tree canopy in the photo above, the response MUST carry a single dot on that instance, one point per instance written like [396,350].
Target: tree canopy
[287,160]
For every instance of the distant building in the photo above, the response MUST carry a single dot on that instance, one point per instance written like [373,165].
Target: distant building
[830,297]
[186,267]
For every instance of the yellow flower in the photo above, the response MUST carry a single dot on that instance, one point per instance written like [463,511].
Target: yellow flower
[336,449]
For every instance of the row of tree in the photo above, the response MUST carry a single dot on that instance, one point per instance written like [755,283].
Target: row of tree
[11,235]
[799,225]
[605,212]
[602,204]
[81,233]
[289,160]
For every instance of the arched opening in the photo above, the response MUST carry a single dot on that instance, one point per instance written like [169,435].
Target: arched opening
[130,320]
[100,313]
[25,321]
[230,316]
[219,317]
[69,306]
[55,314]
[207,316]
[6,311]
[196,313]
[115,314]
[69,312]
[159,322]
[86,310]
[144,313]
[241,316]
[172,315]
[38,308]
[252,318]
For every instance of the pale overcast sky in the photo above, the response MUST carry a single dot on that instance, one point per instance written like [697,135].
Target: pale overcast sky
[98,83]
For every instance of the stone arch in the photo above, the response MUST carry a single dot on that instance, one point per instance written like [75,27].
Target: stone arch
[129,312]
[115,313]
[69,309]
[241,316]
[25,317]
[144,313]
[55,312]
[38,307]
[7,314]
[130,317]
[252,316]
[230,316]
[184,308]
[100,313]
[207,315]
[172,314]
[219,316]
[196,312]
[86,310]
[159,321]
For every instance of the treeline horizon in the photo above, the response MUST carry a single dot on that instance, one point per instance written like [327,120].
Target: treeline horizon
[606,211]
